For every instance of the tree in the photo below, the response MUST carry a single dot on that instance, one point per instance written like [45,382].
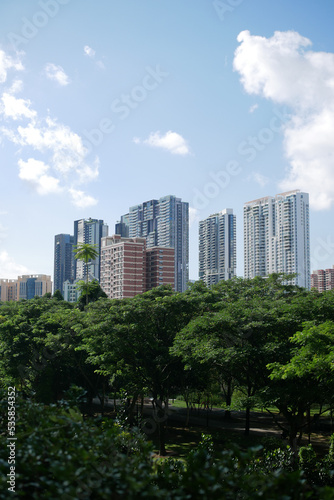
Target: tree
[90,292]
[86,252]
[246,327]
[307,378]
[58,295]
[133,336]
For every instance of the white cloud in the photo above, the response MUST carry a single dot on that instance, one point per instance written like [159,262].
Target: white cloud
[253,108]
[65,155]
[7,62]
[284,69]
[87,173]
[32,169]
[57,158]
[16,87]
[35,172]
[89,51]
[56,73]
[65,147]
[81,200]
[9,269]
[260,179]
[14,108]
[171,141]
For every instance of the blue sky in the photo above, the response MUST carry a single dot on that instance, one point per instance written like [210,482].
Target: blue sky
[107,104]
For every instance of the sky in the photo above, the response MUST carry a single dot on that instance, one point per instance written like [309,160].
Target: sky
[106,104]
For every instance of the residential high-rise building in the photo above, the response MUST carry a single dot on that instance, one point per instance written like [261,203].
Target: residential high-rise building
[129,268]
[63,260]
[122,226]
[217,247]
[323,279]
[163,222]
[71,292]
[277,236]
[89,231]
[160,267]
[123,266]
[8,290]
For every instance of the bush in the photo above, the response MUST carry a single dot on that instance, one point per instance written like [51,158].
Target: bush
[59,455]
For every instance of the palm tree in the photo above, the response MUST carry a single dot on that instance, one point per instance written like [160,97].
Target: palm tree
[85,252]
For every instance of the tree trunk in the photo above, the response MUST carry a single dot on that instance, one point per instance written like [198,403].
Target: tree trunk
[160,417]
[228,397]
[247,422]
[131,408]
[142,405]
[188,414]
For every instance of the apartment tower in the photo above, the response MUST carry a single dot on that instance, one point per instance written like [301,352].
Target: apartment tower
[89,231]
[323,279]
[217,247]
[163,223]
[63,260]
[277,236]
[123,266]
[160,267]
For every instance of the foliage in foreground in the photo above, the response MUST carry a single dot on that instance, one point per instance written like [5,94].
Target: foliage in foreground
[59,455]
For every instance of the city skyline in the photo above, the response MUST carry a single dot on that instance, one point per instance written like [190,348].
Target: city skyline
[216,236]
[108,104]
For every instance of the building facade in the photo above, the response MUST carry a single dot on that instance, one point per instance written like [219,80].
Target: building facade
[217,247]
[160,267]
[277,237]
[8,290]
[89,231]
[63,260]
[163,223]
[25,287]
[71,293]
[33,285]
[128,268]
[323,279]
[123,266]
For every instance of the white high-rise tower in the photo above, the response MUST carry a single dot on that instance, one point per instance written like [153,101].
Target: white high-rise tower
[277,236]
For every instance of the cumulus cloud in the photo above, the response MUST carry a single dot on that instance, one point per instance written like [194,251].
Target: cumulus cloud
[9,269]
[64,150]
[171,141]
[16,87]
[14,108]
[6,63]
[80,199]
[285,70]
[56,73]
[52,158]
[253,108]
[89,51]
[35,172]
